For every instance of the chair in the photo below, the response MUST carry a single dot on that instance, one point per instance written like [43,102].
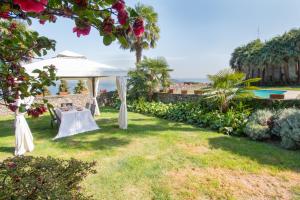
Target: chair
[66,104]
[87,105]
[54,117]
[93,109]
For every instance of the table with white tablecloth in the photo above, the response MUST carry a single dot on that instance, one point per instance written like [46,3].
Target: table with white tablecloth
[74,122]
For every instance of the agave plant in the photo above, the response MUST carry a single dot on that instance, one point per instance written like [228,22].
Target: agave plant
[226,85]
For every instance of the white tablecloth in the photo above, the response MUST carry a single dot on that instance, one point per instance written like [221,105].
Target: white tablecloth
[74,122]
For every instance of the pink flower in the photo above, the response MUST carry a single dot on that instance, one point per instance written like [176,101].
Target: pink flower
[82,30]
[123,17]
[119,5]
[36,6]
[138,27]
[4,15]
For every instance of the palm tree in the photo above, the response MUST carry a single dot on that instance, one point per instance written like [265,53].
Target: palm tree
[227,84]
[150,36]
[148,77]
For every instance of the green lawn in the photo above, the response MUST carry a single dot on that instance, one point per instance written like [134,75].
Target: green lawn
[159,159]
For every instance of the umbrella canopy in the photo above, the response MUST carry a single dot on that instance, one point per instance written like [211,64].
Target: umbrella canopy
[73,65]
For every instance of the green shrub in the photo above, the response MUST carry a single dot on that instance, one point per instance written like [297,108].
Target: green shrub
[42,178]
[196,113]
[287,126]
[258,126]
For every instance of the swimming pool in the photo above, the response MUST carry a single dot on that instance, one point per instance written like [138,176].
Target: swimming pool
[265,94]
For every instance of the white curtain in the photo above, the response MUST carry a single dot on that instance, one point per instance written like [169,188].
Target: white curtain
[94,94]
[24,139]
[122,87]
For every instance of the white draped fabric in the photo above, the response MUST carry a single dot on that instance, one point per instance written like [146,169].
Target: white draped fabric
[122,87]
[24,139]
[74,122]
[93,86]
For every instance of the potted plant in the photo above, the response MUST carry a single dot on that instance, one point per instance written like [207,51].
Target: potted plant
[63,89]
[80,88]
[171,91]
[184,91]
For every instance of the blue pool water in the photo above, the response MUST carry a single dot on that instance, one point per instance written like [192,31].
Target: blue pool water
[265,94]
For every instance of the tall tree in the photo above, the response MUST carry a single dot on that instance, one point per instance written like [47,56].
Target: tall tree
[151,32]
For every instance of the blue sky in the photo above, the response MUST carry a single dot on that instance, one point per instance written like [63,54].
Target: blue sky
[197,36]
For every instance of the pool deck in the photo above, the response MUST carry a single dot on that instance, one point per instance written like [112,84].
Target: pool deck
[290,94]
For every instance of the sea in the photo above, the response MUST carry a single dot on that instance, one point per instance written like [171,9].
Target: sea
[110,85]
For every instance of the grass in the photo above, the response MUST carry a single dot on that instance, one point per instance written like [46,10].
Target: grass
[159,159]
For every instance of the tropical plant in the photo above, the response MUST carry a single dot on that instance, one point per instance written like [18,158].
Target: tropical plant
[80,87]
[63,87]
[30,177]
[258,125]
[287,127]
[151,34]
[226,85]
[148,77]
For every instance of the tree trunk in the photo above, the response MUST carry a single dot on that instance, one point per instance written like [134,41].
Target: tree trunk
[138,54]
[298,69]
[138,51]
[286,72]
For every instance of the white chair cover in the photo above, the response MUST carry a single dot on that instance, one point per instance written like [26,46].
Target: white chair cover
[122,87]
[24,138]
[90,88]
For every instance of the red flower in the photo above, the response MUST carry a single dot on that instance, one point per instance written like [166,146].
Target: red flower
[82,30]
[82,3]
[42,21]
[12,107]
[123,17]
[21,78]
[4,15]
[11,165]
[36,6]
[10,80]
[119,5]
[138,27]
[52,18]
[13,26]
[107,25]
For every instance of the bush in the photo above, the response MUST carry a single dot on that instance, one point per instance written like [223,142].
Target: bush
[196,113]
[42,178]
[287,126]
[258,126]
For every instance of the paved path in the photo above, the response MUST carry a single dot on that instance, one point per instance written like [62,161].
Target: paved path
[290,94]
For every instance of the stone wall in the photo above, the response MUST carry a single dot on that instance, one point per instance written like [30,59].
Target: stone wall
[173,98]
[76,99]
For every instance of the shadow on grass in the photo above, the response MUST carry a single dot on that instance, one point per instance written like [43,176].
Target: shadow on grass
[99,143]
[260,152]
[7,149]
